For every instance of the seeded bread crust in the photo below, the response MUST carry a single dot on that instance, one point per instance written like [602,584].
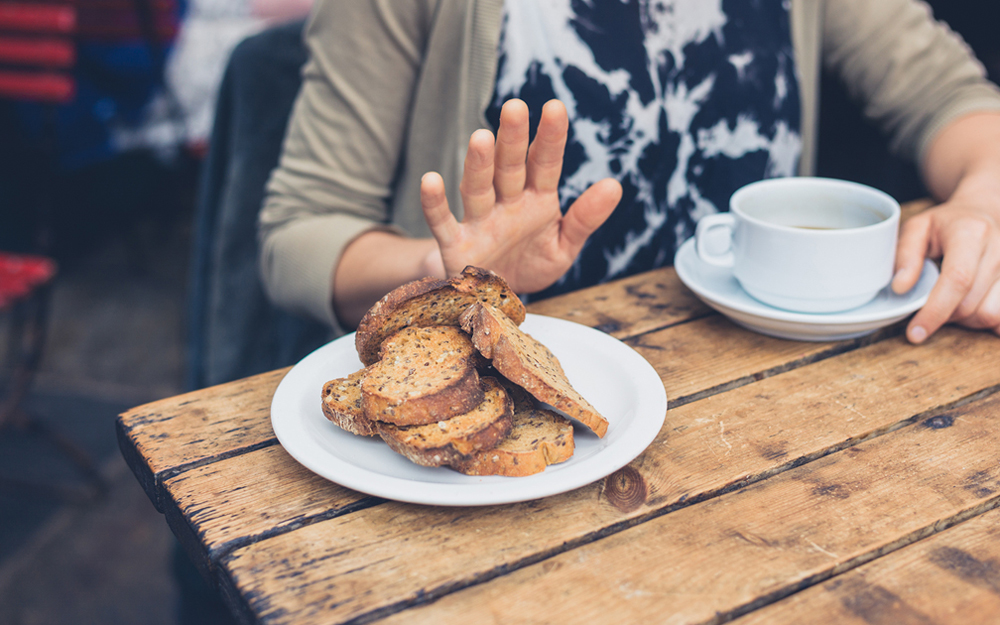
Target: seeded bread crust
[537,439]
[433,302]
[342,404]
[453,440]
[527,363]
[424,375]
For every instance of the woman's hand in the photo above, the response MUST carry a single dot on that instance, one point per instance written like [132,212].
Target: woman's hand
[962,165]
[965,233]
[513,223]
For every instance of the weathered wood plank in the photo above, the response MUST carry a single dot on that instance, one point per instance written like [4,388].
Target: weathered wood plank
[687,359]
[218,507]
[951,577]
[158,438]
[729,555]
[161,437]
[713,355]
[392,553]
[630,306]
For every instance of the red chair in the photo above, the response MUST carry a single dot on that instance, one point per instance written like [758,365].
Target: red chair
[25,283]
[37,51]
[37,56]
[40,41]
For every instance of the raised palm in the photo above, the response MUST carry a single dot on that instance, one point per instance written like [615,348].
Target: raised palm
[512,222]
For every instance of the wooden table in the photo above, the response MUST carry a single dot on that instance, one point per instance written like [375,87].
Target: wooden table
[847,482]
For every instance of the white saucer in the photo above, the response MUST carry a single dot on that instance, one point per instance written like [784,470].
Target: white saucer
[717,287]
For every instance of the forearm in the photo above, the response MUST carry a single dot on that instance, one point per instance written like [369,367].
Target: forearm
[375,263]
[964,159]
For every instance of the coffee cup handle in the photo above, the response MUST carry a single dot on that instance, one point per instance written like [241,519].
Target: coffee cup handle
[705,225]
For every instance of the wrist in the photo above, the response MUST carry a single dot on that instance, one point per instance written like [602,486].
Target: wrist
[980,187]
[375,263]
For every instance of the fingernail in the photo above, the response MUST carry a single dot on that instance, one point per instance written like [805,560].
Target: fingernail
[917,334]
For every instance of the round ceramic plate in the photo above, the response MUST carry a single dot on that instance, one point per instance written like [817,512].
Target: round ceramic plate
[620,384]
[717,287]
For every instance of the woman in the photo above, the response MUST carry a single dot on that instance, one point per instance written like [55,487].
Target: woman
[664,109]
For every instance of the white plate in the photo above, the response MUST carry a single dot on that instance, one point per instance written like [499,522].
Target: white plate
[717,287]
[613,377]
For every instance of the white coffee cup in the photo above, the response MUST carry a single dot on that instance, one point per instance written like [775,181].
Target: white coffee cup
[813,245]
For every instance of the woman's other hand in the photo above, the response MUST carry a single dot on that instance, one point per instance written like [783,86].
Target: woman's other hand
[962,165]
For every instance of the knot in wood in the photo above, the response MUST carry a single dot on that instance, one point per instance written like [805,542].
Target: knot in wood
[625,489]
[940,422]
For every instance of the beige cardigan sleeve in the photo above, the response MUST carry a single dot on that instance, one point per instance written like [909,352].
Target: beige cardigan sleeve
[912,75]
[343,145]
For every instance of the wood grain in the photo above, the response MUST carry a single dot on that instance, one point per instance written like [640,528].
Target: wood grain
[630,306]
[951,577]
[687,363]
[160,438]
[732,554]
[387,556]
[712,355]
[165,437]
[854,481]
[218,507]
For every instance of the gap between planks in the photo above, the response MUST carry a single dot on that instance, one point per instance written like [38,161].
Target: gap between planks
[446,605]
[616,527]
[611,530]
[835,349]
[214,554]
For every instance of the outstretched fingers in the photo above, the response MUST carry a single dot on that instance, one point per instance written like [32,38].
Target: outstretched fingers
[545,156]
[478,194]
[588,212]
[511,151]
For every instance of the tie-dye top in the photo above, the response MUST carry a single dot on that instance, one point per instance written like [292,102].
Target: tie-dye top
[683,101]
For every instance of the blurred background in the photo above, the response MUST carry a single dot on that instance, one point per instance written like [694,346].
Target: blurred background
[112,185]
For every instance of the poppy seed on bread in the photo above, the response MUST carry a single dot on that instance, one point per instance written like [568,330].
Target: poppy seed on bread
[423,375]
[529,364]
[452,440]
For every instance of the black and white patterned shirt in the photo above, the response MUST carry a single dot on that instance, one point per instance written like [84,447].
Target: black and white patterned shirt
[683,101]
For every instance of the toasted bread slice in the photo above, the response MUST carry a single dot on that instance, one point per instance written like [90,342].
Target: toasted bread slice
[342,405]
[537,439]
[433,302]
[424,375]
[452,440]
[527,363]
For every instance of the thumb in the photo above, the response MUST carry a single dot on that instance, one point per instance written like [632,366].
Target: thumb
[434,203]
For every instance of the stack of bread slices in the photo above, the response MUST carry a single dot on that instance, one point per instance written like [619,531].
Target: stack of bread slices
[450,379]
